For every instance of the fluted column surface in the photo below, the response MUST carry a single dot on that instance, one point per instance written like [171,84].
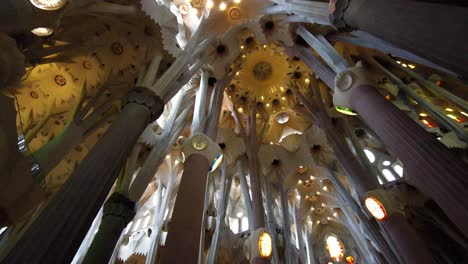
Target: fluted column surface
[57,233]
[429,165]
[408,243]
[183,237]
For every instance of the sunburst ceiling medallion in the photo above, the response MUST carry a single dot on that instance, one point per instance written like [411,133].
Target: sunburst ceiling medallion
[264,74]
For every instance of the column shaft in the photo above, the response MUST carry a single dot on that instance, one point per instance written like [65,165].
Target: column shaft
[57,233]
[430,166]
[408,243]
[436,32]
[118,212]
[256,188]
[183,239]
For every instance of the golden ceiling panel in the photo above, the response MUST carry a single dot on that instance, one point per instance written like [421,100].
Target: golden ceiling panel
[264,75]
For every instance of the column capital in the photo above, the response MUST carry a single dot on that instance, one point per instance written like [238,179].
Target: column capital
[346,83]
[336,12]
[146,97]
[119,206]
[203,145]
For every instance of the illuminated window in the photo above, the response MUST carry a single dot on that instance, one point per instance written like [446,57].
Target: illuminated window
[265,245]
[398,169]
[244,224]
[234,225]
[370,155]
[334,247]
[389,176]
[3,230]
[375,208]
[282,118]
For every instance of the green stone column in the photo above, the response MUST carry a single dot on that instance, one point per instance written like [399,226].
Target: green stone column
[118,212]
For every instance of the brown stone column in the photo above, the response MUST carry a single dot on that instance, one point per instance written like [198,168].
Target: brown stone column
[57,233]
[430,166]
[410,246]
[183,239]
[436,32]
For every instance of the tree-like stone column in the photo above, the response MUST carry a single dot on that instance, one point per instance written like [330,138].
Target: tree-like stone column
[57,233]
[184,234]
[431,167]
[434,31]
[118,212]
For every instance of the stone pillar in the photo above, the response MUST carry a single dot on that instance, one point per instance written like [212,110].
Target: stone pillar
[431,167]
[57,233]
[410,246]
[286,224]
[436,32]
[118,212]
[185,227]
[183,237]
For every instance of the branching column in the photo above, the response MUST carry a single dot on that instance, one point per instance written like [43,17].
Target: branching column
[118,212]
[183,238]
[436,32]
[57,233]
[431,167]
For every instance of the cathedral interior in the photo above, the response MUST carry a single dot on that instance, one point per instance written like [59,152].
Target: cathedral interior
[233,131]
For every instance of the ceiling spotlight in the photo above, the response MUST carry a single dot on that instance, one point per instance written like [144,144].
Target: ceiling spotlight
[42,31]
[48,4]
[184,9]
[222,6]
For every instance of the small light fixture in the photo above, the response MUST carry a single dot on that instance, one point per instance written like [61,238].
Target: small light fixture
[48,4]
[265,247]
[422,114]
[237,1]
[301,169]
[449,109]
[184,9]
[376,208]
[345,110]
[222,6]
[454,118]
[349,260]
[427,123]
[199,143]
[209,4]
[386,163]
[42,31]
